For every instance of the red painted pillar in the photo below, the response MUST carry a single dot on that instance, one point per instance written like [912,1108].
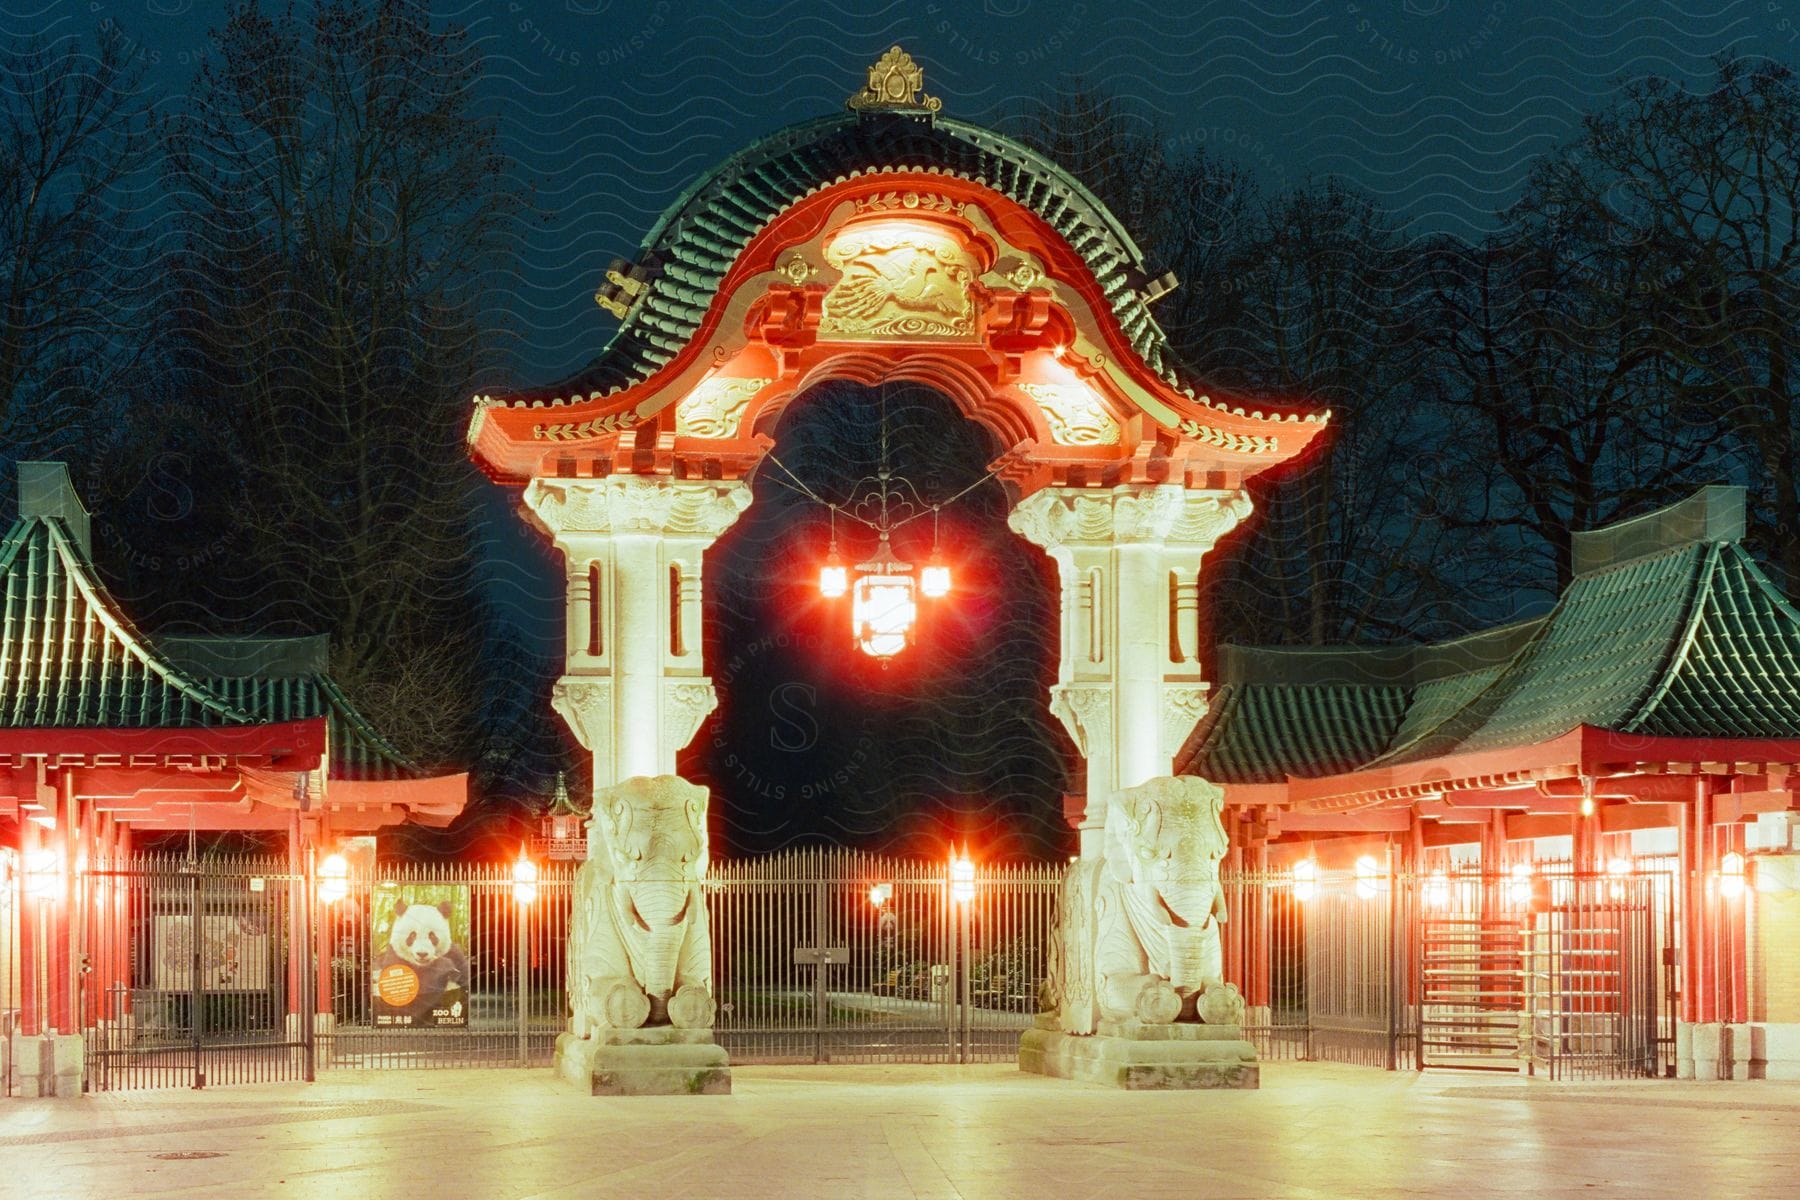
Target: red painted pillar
[324,926]
[121,928]
[1734,931]
[300,936]
[1262,945]
[30,921]
[82,979]
[62,917]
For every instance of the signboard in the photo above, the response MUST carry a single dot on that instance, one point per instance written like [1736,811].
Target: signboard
[420,977]
[234,953]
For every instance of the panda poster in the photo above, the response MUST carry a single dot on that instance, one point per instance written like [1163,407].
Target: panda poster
[421,969]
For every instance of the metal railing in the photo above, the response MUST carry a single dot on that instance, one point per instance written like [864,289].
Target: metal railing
[207,973]
[191,973]
[835,956]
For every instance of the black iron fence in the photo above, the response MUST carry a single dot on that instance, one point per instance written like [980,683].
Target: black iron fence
[238,970]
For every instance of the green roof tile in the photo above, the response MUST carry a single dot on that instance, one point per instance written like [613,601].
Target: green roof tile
[695,241]
[1668,629]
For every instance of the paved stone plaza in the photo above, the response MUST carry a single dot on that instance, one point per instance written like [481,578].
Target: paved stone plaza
[1312,1131]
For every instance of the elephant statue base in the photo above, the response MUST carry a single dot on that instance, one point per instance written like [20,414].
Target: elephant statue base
[1136,996]
[640,949]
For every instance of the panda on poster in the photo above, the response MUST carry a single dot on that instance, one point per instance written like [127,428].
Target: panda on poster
[421,976]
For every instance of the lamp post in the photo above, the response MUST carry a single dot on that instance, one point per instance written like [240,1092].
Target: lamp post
[524,890]
[962,891]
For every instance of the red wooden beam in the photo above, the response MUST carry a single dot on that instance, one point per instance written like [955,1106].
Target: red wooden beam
[290,745]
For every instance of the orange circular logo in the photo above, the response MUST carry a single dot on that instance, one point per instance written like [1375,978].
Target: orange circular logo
[397,985]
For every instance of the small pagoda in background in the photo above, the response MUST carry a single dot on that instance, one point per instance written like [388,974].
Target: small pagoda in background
[562,828]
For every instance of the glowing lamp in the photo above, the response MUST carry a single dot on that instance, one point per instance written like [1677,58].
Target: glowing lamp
[880,894]
[1437,891]
[334,878]
[1731,875]
[43,874]
[525,881]
[1368,877]
[1520,887]
[962,880]
[883,611]
[934,581]
[834,580]
[1306,880]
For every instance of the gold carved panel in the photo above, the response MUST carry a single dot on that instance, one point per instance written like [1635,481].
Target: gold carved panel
[899,279]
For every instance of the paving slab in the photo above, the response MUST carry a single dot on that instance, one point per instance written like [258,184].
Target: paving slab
[1313,1130]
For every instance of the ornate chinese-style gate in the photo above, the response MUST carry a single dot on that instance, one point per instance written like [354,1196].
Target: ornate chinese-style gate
[888,244]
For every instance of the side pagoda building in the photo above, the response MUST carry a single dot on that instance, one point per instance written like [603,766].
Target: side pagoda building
[109,736]
[1650,722]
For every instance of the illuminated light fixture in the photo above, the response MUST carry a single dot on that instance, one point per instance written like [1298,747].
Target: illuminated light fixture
[1306,879]
[334,878]
[1520,887]
[962,879]
[1731,875]
[1437,891]
[1368,877]
[884,590]
[1618,868]
[525,881]
[43,874]
[882,609]
[880,894]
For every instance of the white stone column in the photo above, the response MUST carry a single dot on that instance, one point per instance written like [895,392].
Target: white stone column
[1128,685]
[634,688]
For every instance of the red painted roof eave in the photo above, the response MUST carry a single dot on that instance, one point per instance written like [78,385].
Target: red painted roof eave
[288,745]
[1584,750]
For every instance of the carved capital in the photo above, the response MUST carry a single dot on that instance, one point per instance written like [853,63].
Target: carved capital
[692,508]
[585,702]
[1183,706]
[1085,711]
[685,703]
[1165,513]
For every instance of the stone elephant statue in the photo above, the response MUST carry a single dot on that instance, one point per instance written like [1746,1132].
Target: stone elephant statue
[640,952]
[1140,927]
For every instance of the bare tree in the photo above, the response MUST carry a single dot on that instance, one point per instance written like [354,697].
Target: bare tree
[73,129]
[343,207]
[1686,203]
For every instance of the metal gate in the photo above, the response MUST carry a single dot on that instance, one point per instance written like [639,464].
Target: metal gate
[836,956]
[192,974]
[1542,972]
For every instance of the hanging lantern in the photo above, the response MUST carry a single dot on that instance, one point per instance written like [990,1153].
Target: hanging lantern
[883,609]
[834,579]
[934,580]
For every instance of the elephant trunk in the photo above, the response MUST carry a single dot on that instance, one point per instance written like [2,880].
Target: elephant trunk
[655,927]
[1193,936]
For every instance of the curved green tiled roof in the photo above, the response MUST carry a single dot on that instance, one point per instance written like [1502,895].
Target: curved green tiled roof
[1737,674]
[1669,628]
[693,245]
[70,658]
[1262,734]
[284,679]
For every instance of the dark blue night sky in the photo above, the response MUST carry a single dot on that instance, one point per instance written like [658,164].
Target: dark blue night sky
[613,107]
